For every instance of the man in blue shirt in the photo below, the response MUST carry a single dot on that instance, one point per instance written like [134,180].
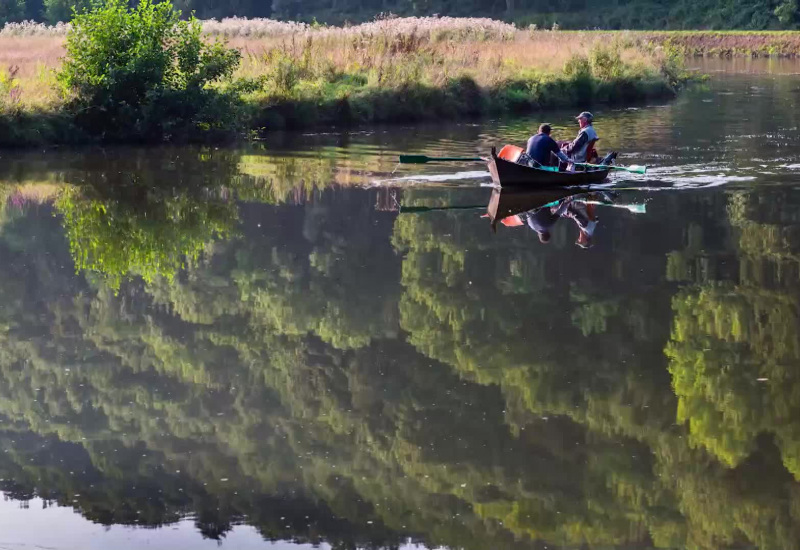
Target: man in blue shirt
[542,147]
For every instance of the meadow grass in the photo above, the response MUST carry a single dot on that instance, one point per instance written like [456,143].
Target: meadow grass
[294,74]
[30,62]
[353,76]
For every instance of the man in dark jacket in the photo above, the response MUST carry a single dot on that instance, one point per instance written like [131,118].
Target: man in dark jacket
[542,147]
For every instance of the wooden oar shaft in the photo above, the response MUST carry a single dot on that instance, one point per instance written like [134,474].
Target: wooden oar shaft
[422,159]
[419,209]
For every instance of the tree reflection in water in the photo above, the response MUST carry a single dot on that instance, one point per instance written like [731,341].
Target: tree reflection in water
[330,372]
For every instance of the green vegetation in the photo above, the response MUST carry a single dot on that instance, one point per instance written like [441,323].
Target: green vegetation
[304,88]
[143,75]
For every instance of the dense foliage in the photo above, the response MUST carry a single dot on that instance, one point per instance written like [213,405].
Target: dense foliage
[143,74]
[613,14]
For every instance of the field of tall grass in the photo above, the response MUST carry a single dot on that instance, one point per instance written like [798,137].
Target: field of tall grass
[295,75]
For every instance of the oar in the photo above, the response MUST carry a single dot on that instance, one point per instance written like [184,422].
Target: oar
[636,169]
[420,209]
[422,159]
[632,207]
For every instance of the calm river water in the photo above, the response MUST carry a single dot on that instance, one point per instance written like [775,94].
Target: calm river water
[300,343]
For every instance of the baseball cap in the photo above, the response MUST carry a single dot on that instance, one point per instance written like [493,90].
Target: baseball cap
[587,115]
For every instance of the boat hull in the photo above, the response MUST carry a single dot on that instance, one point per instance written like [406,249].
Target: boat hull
[510,201]
[506,174]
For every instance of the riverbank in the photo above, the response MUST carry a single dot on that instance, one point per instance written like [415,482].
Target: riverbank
[784,44]
[296,76]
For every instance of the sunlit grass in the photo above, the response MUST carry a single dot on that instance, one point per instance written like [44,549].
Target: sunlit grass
[389,57]
[381,54]
[31,61]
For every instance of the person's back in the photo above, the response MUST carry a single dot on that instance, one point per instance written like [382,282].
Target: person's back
[541,147]
[542,220]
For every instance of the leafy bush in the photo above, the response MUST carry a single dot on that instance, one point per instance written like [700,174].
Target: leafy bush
[578,67]
[143,74]
[285,72]
[672,66]
[9,89]
[606,63]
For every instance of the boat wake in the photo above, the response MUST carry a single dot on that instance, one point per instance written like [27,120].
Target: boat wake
[433,178]
[687,176]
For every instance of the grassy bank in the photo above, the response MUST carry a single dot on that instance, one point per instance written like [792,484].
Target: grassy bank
[727,43]
[292,75]
[390,73]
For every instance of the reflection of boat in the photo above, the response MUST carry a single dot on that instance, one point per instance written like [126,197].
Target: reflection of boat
[515,200]
[506,173]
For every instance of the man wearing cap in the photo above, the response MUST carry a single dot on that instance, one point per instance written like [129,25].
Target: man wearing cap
[578,150]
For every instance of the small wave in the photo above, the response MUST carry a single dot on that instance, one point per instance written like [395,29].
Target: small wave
[706,182]
[688,168]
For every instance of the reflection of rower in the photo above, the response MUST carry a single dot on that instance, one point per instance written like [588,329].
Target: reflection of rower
[507,202]
[543,219]
[541,210]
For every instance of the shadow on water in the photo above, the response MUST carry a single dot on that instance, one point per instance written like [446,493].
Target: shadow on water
[223,339]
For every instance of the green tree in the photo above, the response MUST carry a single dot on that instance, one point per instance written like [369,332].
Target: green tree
[142,73]
[11,10]
[787,12]
[63,10]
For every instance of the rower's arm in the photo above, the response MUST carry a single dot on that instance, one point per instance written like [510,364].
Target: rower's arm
[579,142]
[556,150]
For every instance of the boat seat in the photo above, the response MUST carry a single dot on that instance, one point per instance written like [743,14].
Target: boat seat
[591,156]
[591,152]
[510,153]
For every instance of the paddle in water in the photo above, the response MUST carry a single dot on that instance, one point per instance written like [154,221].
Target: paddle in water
[634,168]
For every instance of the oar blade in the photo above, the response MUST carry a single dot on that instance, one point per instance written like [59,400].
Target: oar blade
[634,168]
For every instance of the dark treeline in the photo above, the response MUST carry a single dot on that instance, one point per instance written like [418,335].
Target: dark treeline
[607,14]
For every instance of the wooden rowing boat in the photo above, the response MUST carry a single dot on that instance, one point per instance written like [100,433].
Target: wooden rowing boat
[506,173]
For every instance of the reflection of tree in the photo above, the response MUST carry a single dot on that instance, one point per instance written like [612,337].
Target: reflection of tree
[732,356]
[725,339]
[735,345]
[609,378]
[501,404]
[125,220]
[469,314]
[114,238]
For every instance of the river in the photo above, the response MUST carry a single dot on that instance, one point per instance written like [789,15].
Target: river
[300,343]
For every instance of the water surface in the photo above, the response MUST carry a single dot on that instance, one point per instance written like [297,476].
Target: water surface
[300,343]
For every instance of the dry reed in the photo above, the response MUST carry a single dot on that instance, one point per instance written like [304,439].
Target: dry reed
[32,59]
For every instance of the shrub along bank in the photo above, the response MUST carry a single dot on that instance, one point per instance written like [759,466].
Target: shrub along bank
[143,75]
